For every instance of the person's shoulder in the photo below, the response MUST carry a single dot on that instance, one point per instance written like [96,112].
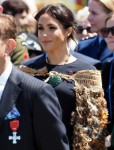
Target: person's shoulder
[87,43]
[20,46]
[85,58]
[38,60]
[19,39]
[85,66]
[26,79]
[89,40]
[20,53]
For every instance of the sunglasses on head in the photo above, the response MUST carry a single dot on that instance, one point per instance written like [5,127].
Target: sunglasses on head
[105,31]
[79,29]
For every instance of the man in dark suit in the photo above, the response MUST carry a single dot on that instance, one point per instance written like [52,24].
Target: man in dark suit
[30,114]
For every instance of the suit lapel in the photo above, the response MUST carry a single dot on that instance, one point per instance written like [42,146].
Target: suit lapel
[106,53]
[9,96]
[103,51]
[92,51]
[89,47]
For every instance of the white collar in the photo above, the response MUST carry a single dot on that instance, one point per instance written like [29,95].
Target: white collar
[5,75]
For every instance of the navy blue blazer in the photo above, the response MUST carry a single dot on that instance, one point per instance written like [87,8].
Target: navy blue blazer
[38,112]
[91,48]
[84,58]
[87,59]
[108,85]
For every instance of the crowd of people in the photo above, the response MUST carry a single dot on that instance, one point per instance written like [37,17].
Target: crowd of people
[59,67]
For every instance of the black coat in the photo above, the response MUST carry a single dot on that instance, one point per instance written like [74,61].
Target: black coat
[108,85]
[40,125]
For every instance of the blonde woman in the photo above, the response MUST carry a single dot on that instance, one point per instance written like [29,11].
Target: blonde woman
[96,47]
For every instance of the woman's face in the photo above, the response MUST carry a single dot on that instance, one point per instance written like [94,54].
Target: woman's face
[110,37]
[97,16]
[85,25]
[51,34]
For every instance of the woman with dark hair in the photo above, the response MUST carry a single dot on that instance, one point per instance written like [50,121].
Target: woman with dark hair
[69,76]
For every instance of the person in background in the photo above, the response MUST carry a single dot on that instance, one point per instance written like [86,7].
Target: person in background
[108,71]
[66,73]
[30,113]
[83,30]
[20,11]
[32,44]
[20,53]
[96,47]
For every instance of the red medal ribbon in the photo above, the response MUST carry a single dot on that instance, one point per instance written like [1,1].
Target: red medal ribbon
[70,72]
[14,125]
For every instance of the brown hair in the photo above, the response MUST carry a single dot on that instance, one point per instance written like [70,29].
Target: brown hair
[7,27]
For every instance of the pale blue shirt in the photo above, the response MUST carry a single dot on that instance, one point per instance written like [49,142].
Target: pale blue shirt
[4,77]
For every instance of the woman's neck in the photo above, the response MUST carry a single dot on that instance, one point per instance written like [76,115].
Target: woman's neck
[57,58]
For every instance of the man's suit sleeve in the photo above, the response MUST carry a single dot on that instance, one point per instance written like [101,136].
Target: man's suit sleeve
[50,132]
